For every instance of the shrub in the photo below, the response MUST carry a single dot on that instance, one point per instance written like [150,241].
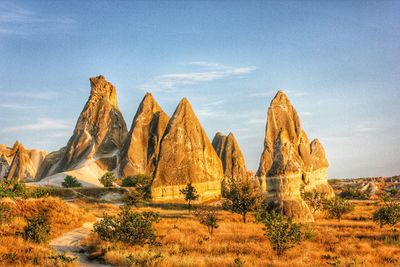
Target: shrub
[281,232]
[351,192]
[108,179]
[190,194]
[140,183]
[387,215]
[4,212]
[337,207]
[209,218]
[134,198]
[38,229]
[40,192]
[242,197]
[314,199]
[13,189]
[71,182]
[129,226]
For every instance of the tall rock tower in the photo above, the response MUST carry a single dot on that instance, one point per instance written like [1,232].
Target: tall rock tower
[186,155]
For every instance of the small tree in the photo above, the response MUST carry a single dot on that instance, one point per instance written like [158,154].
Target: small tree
[315,200]
[190,194]
[389,214]
[140,182]
[209,218]
[108,179]
[70,182]
[38,229]
[281,232]
[337,207]
[242,196]
[135,228]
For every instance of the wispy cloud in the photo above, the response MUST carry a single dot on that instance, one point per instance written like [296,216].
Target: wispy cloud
[290,93]
[17,19]
[42,95]
[41,124]
[214,71]
[16,106]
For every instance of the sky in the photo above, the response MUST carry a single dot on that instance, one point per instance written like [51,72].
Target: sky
[338,62]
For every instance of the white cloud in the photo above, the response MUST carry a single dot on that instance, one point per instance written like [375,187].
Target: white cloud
[17,20]
[214,71]
[41,124]
[42,95]
[16,106]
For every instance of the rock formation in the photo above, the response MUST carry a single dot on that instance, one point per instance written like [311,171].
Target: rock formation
[231,156]
[186,155]
[140,152]
[98,136]
[289,161]
[18,162]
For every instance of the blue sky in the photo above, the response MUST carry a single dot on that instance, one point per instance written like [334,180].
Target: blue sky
[337,60]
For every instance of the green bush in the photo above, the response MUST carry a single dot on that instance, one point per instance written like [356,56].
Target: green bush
[140,183]
[13,189]
[71,182]
[314,199]
[242,196]
[209,218]
[4,212]
[281,232]
[131,227]
[134,197]
[38,229]
[190,194]
[337,207]
[108,179]
[387,215]
[40,192]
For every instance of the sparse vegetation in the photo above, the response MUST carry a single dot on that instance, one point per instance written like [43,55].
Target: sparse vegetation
[389,214]
[337,207]
[128,226]
[38,229]
[242,196]
[315,200]
[190,194]
[281,232]
[140,182]
[108,179]
[71,182]
[209,218]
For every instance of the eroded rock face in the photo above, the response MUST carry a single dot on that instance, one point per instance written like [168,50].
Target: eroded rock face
[289,161]
[231,156]
[99,132]
[186,155]
[140,152]
[24,163]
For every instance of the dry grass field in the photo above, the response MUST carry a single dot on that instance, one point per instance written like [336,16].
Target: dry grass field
[354,241]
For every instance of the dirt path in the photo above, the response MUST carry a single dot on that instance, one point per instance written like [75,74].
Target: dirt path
[69,243]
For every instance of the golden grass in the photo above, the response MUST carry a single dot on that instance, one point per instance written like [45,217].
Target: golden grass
[185,242]
[15,251]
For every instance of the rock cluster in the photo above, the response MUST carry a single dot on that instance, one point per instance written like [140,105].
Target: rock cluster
[289,162]
[231,156]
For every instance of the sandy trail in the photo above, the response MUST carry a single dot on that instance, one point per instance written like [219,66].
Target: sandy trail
[69,243]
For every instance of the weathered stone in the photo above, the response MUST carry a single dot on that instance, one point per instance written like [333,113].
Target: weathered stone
[231,156]
[99,132]
[186,155]
[289,162]
[140,152]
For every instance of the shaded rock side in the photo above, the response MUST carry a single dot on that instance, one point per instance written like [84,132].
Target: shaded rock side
[231,156]
[186,155]
[140,152]
[25,163]
[99,132]
[289,161]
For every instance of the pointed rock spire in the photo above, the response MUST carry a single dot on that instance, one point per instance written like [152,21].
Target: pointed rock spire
[140,152]
[186,155]
[231,156]
[288,161]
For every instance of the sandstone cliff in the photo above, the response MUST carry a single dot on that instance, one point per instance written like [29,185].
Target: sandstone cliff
[186,155]
[289,161]
[231,156]
[99,134]
[140,152]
